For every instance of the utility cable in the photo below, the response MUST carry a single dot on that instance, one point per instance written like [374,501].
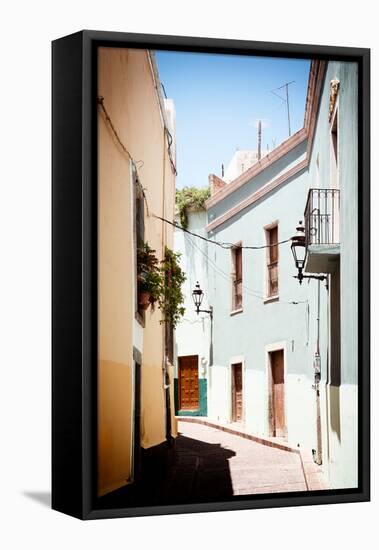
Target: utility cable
[100,101]
[224,245]
[253,293]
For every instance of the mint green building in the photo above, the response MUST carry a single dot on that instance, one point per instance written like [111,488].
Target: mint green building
[282,357]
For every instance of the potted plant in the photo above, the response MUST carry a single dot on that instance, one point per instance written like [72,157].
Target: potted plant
[149,277]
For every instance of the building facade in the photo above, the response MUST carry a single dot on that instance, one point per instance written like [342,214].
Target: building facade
[331,222]
[136,421]
[259,377]
[192,349]
[284,359]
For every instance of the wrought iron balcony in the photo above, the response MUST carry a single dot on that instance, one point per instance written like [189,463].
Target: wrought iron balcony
[322,217]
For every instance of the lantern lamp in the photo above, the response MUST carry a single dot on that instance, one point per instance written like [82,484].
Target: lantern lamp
[197,296]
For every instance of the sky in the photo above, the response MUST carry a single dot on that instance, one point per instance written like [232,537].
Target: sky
[218,100]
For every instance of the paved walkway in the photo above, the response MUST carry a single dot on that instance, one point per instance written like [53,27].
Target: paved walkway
[212,464]
[223,464]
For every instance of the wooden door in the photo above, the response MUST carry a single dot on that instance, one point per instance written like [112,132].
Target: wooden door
[189,383]
[277,405]
[237,394]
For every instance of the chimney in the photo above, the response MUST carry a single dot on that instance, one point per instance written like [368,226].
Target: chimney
[215,183]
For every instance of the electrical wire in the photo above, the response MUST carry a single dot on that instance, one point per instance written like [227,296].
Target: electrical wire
[223,274]
[225,245]
[100,101]
[193,322]
[251,292]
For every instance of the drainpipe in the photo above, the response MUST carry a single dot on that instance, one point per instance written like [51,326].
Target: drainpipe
[317,455]
[211,336]
[167,335]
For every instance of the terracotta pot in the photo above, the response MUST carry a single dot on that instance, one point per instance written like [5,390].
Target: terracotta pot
[144,300]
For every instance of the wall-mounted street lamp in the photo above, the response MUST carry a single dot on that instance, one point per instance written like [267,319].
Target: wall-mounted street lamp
[198,295]
[299,251]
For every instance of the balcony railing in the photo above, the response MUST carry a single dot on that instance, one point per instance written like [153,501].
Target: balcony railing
[322,217]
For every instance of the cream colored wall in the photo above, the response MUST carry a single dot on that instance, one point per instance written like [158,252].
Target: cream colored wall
[115,293]
[127,85]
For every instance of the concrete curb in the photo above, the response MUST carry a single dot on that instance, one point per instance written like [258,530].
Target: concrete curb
[313,473]
[240,432]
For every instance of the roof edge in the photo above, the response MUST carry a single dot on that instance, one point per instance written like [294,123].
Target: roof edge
[316,76]
[257,195]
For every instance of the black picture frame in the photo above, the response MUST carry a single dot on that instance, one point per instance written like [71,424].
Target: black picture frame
[74,253]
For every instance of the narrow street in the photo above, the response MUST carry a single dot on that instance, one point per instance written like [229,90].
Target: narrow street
[210,464]
[210,461]
[250,356]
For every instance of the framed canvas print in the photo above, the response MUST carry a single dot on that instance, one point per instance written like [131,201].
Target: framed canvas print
[210,274]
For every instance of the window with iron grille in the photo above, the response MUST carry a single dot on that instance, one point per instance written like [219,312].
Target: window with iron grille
[237,277]
[272,261]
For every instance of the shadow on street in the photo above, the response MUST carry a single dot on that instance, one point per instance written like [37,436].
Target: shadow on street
[199,473]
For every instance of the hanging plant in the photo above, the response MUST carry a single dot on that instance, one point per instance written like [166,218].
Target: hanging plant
[190,198]
[160,282]
[171,299]
[149,276]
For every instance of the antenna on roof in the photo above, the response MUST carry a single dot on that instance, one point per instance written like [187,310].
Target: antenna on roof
[222,170]
[286,100]
[259,139]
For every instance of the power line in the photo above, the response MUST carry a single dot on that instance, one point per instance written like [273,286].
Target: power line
[194,321]
[226,276]
[225,245]
[100,101]
[253,293]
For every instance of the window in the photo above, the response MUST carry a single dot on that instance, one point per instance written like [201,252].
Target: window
[237,277]
[272,261]
[332,220]
[334,151]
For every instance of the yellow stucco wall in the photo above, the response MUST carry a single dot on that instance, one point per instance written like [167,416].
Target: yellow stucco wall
[126,82]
